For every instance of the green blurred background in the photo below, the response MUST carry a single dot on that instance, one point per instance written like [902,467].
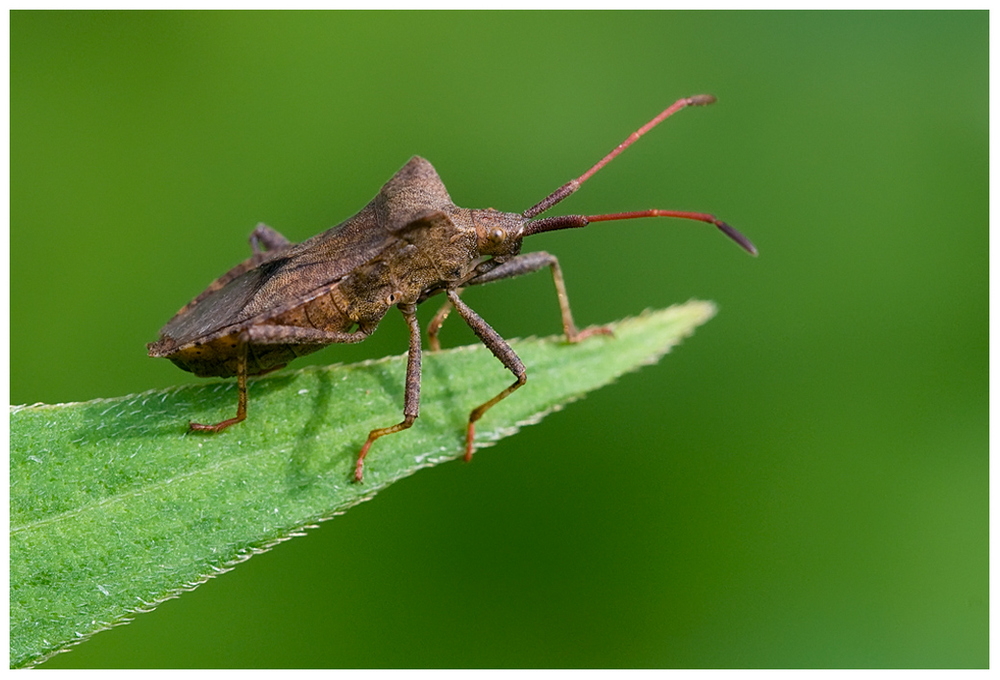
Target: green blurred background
[803,483]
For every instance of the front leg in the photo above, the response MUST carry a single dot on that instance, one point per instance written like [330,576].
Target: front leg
[517,266]
[501,350]
[411,398]
[434,327]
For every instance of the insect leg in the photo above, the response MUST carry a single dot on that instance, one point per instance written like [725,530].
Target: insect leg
[434,327]
[262,335]
[501,350]
[301,335]
[241,383]
[271,239]
[411,399]
[532,262]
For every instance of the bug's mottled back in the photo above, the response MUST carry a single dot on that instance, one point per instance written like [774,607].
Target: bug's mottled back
[300,270]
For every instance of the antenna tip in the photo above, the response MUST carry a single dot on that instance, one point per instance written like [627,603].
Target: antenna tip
[740,239]
[701,100]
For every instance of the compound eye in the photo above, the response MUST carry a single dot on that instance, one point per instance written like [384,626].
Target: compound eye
[497,236]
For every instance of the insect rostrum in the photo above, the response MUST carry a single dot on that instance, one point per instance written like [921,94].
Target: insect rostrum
[409,243]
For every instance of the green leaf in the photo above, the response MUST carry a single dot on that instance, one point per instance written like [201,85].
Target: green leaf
[115,505]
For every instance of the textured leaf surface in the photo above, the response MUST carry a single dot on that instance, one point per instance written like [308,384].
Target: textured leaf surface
[116,506]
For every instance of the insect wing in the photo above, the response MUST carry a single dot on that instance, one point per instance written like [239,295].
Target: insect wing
[224,307]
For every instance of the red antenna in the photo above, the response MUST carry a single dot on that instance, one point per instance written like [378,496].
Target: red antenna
[574,221]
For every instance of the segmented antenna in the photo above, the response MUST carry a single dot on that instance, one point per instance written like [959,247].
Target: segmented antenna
[576,221]
[570,187]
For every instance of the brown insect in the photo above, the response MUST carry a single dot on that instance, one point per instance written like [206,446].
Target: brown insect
[410,243]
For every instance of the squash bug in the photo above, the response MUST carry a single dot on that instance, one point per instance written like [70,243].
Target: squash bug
[409,243]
